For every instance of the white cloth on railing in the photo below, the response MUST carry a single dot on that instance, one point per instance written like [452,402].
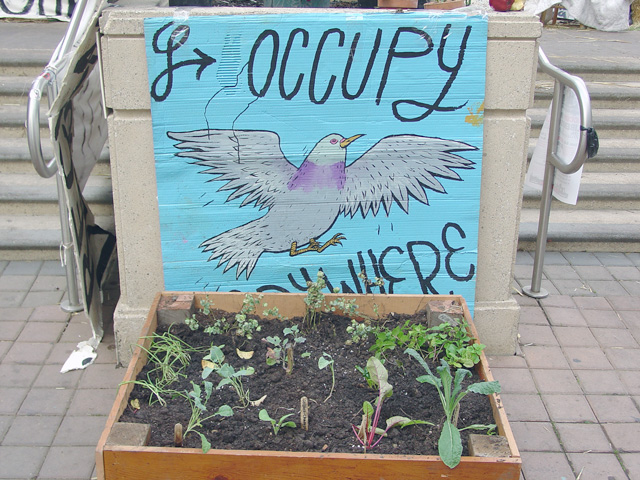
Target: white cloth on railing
[606,15]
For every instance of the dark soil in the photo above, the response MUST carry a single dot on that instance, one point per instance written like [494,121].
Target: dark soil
[330,422]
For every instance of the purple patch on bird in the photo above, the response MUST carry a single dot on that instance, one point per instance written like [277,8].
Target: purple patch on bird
[311,176]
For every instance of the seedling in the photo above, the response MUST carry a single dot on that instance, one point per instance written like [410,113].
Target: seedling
[282,349]
[451,392]
[451,342]
[205,308]
[230,376]
[376,282]
[314,300]
[405,336]
[276,424]
[348,308]
[365,374]
[359,331]
[242,326]
[327,361]
[368,429]
[198,407]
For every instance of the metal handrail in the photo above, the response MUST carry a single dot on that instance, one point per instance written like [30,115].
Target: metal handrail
[46,169]
[553,161]
[47,79]
[576,84]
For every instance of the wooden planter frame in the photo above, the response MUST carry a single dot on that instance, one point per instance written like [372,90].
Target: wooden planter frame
[131,462]
[444,5]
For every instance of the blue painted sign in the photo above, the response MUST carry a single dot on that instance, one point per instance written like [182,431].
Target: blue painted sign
[349,142]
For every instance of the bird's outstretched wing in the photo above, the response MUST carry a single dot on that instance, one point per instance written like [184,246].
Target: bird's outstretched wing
[399,167]
[249,161]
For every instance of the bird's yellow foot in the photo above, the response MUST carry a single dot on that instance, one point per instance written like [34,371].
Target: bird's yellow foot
[314,246]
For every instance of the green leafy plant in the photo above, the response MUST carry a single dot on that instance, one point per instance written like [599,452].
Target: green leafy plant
[205,308]
[359,331]
[453,343]
[281,350]
[276,424]
[407,335]
[376,282]
[325,361]
[314,300]
[229,375]
[348,308]
[192,322]
[451,392]
[367,377]
[242,325]
[368,429]
[273,312]
[386,340]
[198,407]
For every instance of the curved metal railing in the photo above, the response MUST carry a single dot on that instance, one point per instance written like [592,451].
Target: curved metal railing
[46,169]
[587,147]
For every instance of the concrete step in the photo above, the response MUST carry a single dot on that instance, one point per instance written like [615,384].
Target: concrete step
[598,191]
[608,122]
[584,230]
[15,157]
[15,90]
[20,56]
[13,120]
[614,155]
[22,194]
[597,69]
[35,237]
[603,94]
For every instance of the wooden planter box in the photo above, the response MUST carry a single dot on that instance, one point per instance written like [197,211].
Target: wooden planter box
[445,5]
[397,3]
[119,458]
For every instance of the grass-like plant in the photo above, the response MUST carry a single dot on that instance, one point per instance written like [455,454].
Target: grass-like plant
[451,392]
[169,356]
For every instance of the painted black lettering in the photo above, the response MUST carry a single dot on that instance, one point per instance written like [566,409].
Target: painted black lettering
[451,250]
[272,67]
[316,62]
[367,72]
[435,107]
[425,281]
[393,53]
[391,280]
[285,59]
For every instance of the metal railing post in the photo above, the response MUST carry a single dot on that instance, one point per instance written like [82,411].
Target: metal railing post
[67,255]
[562,80]
[47,169]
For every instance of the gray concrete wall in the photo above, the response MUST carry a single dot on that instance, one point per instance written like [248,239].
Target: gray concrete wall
[511,63]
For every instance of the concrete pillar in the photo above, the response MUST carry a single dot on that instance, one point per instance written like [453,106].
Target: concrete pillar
[511,63]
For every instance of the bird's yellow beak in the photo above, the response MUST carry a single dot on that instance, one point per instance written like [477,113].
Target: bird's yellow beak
[347,141]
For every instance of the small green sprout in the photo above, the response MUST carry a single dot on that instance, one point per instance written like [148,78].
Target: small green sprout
[327,361]
[276,424]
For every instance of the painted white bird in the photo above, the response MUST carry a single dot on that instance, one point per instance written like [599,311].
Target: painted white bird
[303,203]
